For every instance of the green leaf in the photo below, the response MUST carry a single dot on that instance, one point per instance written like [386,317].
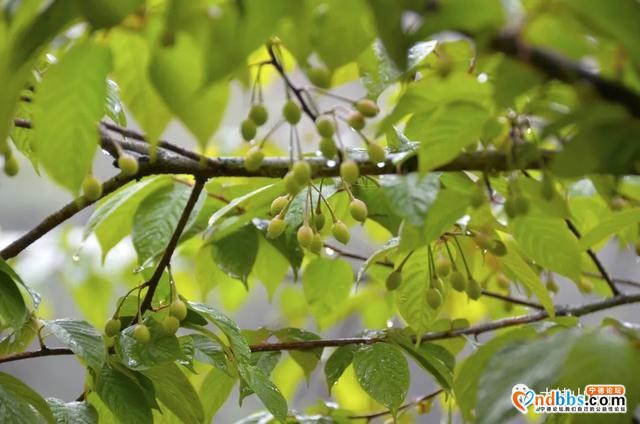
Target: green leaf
[449,206]
[178,74]
[5,268]
[206,350]
[125,397]
[156,218]
[323,293]
[412,194]
[516,268]
[19,339]
[307,359]
[160,349]
[268,393]
[237,341]
[411,296]
[271,266]
[470,16]
[376,256]
[435,359]
[214,391]
[68,105]
[236,253]
[108,13]
[383,373]
[466,383]
[72,412]
[81,338]
[444,133]
[549,242]
[512,79]
[131,59]
[337,363]
[13,311]
[20,404]
[113,107]
[174,390]
[265,362]
[613,223]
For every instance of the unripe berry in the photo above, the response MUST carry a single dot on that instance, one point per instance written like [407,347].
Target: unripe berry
[437,284]
[552,286]
[178,309]
[302,172]
[170,325]
[434,298]
[498,248]
[319,220]
[325,126]
[91,188]
[356,121]
[376,153]
[340,232]
[291,184]
[258,114]
[11,165]
[477,197]
[510,208]
[319,76]
[458,281]
[349,171]
[278,204]
[316,244]
[128,164]
[291,112]
[521,204]
[617,203]
[248,129]
[474,290]
[276,227]
[304,235]
[585,286]
[483,240]
[367,107]
[328,147]
[394,279]
[502,281]
[253,159]
[358,210]
[141,333]
[112,327]
[443,266]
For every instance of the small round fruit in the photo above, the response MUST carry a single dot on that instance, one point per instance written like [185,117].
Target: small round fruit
[178,309]
[474,290]
[291,184]
[291,112]
[319,220]
[444,67]
[276,227]
[278,204]
[393,281]
[502,281]
[11,165]
[316,244]
[552,286]
[328,147]
[585,286]
[141,333]
[443,266]
[434,298]
[477,197]
[341,232]
[319,76]
[367,107]
[510,208]
[253,159]
[458,281]
[302,172]
[483,240]
[617,203]
[325,126]
[437,284]
[349,171]
[128,164]
[521,204]
[112,327]
[356,121]
[304,235]
[91,188]
[258,114]
[498,248]
[358,210]
[376,153]
[170,325]
[248,129]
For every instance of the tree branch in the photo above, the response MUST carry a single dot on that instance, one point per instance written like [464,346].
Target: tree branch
[559,67]
[475,330]
[407,405]
[152,284]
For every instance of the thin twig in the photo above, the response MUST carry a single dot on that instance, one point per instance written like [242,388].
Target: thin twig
[513,300]
[407,405]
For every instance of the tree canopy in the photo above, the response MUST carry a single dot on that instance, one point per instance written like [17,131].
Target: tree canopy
[490,152]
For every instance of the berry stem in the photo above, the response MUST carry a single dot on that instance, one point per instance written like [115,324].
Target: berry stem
[464,260]
[404,261]
[453,263]
[333,215]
